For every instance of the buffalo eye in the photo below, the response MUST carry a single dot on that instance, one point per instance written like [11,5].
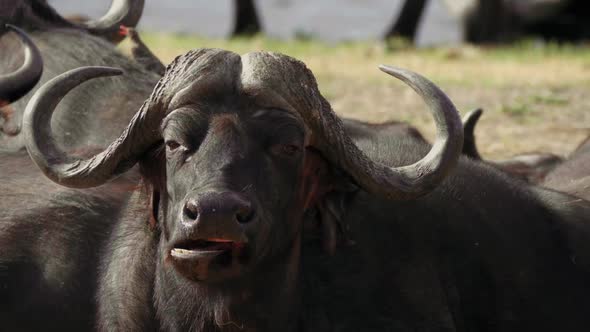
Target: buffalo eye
[177,150]
[289,149]
[172,145]
[286,150]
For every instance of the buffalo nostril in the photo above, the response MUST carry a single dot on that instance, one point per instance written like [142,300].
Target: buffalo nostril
[191,211]
[217,208]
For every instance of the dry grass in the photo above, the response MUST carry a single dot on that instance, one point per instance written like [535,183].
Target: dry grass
[536,97]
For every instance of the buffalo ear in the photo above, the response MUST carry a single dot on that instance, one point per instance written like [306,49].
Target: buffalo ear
[327,190]
[152,167]
[331,212]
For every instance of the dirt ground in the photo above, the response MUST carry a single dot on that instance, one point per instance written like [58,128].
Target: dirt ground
[536,97]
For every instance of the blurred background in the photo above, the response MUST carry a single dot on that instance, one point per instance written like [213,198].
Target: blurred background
[526,62]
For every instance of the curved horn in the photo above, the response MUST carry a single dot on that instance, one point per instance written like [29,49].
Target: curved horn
[469,122]
[17,84]
[404,182]
[414,180]
[117,158]
[121,12]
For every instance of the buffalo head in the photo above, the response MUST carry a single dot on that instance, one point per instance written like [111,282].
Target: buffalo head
[235,149]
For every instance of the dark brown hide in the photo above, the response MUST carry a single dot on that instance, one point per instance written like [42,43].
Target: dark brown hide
[50,246]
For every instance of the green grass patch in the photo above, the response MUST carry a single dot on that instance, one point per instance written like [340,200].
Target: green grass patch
[549,99]
[525,50]
[517,110]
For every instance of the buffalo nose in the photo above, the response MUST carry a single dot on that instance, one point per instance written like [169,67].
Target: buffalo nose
[224,206]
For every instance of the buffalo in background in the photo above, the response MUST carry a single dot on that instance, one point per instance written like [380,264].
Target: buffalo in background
[532,167]
[571,175]
[42,286]
[40,220]
[65,46]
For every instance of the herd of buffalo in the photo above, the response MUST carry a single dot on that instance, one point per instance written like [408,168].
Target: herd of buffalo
[222,193]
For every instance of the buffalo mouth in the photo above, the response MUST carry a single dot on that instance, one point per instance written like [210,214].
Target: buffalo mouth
[208,259]
[203,248]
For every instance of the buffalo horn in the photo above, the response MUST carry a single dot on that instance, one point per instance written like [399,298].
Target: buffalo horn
[18,83]
[117,158]
[405,182]
[121,12]
[469,122]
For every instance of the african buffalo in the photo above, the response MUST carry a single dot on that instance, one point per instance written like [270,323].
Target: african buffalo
[56,220]
[65,46]
[531,167]
[40,219]
[65,221]
[258,212]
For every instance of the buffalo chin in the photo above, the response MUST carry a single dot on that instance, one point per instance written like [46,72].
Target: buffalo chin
[209,261]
